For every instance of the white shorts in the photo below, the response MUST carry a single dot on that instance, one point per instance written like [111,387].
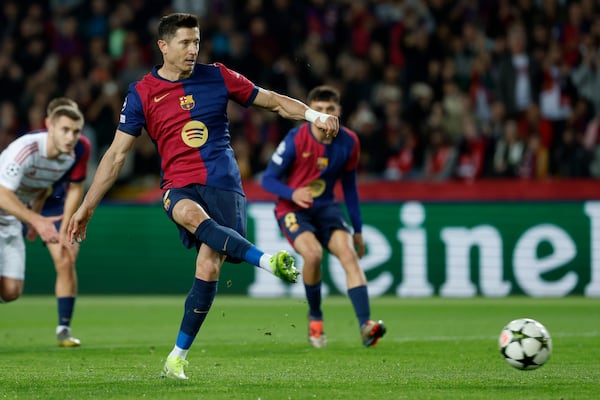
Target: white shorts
[12,250]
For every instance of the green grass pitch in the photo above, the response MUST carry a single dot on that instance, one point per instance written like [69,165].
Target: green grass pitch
[257,349]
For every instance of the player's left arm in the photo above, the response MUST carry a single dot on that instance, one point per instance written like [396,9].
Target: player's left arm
[281,159]
[350,189]
[290,108]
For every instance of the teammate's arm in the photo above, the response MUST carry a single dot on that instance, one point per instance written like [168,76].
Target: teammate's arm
[350,189]
[107,173]
[290,108]
[273,181]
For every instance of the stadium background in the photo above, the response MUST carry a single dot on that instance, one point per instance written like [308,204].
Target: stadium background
[424,84]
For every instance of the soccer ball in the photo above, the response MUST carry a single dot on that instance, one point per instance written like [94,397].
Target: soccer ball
[525,343]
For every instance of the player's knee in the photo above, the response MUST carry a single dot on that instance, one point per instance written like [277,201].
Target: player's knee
[313,256]
[10,289]
[9,295]
[64,267]
[208,269]
[349,258]
[189,214]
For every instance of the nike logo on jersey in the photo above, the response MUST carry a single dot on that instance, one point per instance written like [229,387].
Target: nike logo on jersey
[225,245]
[196,311]
[159,98]
[306,154]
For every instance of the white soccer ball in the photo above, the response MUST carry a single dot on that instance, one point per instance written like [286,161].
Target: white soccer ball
[525,343]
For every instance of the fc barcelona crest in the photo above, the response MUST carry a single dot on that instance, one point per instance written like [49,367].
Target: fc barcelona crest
[187,102]
[322,163]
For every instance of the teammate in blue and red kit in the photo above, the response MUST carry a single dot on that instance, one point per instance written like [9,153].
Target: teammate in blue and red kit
[302,173]
[182,105]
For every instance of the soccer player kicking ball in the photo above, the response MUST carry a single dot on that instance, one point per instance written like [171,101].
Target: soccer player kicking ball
[182,105]
[29,167]
[302,173]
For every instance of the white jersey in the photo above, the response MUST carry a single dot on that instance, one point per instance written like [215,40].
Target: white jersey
[25,169]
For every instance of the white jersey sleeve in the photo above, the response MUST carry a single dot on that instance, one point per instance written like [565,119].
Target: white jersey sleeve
[14,163]
[26,170]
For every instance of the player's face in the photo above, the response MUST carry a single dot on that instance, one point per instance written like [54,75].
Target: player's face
[326,107]
[63,134]
[180,53]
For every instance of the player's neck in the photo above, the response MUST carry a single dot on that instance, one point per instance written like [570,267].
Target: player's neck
[52,151]
[172,74]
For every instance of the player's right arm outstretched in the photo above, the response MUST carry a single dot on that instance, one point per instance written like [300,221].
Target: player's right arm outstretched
[107,173]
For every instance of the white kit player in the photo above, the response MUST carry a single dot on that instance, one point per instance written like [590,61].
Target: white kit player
[29,167]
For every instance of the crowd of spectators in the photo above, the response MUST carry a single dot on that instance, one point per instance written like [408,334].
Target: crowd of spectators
[435,89]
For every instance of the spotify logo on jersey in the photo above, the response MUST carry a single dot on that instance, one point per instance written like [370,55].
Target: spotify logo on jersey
[194,134]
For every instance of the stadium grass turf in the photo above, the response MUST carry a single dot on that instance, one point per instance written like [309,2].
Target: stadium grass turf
[257,349]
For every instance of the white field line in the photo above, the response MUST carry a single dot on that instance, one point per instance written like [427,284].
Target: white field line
[391,338]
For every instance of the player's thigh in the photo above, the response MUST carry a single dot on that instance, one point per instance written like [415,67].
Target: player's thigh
[184,207]
[189,214]
[341,244]
[294,224]
[226,207]
[329,220]
[308,246]
[191,205]
[12,261]
[12,251]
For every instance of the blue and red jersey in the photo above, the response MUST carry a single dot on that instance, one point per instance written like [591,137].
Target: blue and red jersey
[301,160]
[187,121]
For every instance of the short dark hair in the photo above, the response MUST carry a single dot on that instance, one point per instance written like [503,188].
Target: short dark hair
[324,93]
[60,101]
[169,24]
[66,111]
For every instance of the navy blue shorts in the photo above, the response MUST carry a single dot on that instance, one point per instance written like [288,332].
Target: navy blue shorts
[321,221]
[226,208]
[55,208]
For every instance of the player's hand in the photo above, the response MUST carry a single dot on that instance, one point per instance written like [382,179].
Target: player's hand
[329,126]
[359,244]
[303,197]
[31,234]
[45,227]
[78,224]
[66,247]
[71,248]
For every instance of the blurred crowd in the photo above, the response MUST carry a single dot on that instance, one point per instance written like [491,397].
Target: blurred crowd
[435,89]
